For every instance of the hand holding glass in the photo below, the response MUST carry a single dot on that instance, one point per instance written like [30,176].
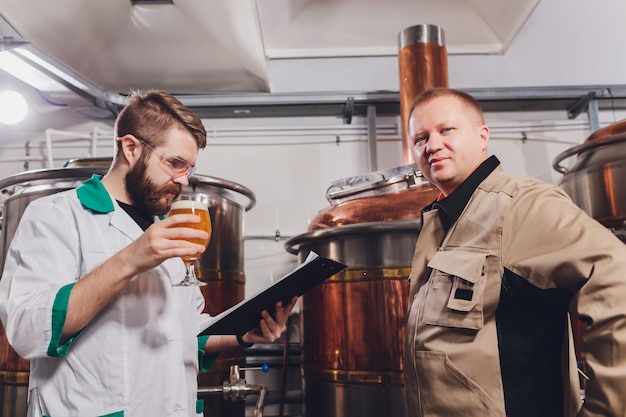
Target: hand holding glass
[200,210]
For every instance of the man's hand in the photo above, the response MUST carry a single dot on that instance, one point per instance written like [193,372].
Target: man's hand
[271,328]
[163,240]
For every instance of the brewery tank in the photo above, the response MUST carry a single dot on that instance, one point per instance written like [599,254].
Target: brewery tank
[221,266]
[353,324]
[596,182]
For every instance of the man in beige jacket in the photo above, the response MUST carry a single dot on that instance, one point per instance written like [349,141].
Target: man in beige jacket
[500,264]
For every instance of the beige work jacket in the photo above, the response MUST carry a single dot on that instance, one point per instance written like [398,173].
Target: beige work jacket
[532,228]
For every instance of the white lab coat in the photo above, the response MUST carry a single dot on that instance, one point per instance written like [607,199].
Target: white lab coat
[137,358]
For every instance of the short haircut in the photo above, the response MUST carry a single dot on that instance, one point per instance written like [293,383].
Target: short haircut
[148,115]
[432,93]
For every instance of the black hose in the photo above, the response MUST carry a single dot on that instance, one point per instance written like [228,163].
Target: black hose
[283,391]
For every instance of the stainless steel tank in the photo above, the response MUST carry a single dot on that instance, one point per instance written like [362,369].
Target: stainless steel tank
[221,266]
[596,181]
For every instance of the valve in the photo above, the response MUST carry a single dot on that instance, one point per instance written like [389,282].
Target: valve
[236,388]
[265,368]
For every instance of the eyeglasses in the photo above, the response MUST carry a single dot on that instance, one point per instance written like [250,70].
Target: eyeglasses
[175,166]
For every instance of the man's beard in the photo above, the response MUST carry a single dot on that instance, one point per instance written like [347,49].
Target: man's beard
[146,195]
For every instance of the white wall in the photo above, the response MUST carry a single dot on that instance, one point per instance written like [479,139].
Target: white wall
[290,162]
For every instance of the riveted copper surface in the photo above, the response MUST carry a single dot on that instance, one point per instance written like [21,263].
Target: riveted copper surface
[354,275]
[358,377]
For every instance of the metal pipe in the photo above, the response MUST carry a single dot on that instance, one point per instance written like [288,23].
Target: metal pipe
[211,390]
[236,389]
[371,138]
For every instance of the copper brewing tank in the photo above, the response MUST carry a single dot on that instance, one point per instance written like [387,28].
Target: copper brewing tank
[353,324]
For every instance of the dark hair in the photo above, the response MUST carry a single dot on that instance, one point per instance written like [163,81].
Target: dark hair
[148,115]
[429,94]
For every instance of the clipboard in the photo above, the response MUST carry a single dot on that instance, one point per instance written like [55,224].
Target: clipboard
[245,315]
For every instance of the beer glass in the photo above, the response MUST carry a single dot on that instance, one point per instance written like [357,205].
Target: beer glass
[200,210]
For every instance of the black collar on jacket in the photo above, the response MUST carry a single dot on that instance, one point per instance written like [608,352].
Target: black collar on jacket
[451,207]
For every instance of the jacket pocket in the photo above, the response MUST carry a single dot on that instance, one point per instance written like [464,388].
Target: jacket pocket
[445,391]
[454,295]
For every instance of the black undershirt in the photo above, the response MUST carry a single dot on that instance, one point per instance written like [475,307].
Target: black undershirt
[142,218]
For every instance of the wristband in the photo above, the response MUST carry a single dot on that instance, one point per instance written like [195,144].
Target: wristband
[242,343]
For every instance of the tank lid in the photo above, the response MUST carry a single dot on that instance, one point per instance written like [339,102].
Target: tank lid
[377,182]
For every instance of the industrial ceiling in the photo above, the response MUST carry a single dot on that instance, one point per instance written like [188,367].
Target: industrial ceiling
[217,54]
[223,46]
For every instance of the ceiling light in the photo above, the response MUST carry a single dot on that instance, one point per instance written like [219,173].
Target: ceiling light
[21,70]
[49,67]
[13,107]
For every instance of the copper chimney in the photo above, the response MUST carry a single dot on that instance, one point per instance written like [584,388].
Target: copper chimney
[398,193]
[423,64]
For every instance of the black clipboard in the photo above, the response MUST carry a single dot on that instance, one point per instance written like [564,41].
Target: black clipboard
[246,315]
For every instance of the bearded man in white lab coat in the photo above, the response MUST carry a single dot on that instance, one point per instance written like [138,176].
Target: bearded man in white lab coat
[86,294]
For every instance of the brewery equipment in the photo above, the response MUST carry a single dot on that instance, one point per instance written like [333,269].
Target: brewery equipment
[235,388]
[353,324]
[596,182]
[221,266]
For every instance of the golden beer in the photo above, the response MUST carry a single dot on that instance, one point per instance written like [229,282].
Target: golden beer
[200,210]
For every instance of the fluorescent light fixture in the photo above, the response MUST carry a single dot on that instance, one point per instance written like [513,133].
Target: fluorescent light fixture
[21,70]
[24,61]
[63,75]
[13,107]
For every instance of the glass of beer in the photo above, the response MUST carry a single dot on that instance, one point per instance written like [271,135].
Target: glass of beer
[200,210]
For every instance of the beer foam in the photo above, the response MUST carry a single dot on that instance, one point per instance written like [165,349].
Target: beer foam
[187,204]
